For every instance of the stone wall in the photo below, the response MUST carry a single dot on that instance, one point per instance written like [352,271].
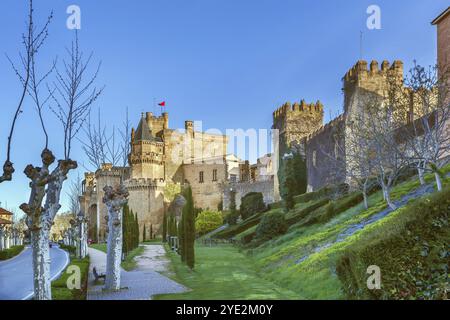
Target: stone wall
[324,155]
[147,200]
[206,194]
[297,121]
[266,187]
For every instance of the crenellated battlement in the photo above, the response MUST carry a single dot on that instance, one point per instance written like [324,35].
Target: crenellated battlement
[144,183]
[302,107]
[362,71]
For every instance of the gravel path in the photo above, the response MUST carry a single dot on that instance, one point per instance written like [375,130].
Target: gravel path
[352,229]
[139,284]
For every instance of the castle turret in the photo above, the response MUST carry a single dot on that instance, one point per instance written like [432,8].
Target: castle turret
[147,152]
[372,79]
[297,121]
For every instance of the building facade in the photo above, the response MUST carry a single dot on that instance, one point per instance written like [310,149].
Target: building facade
[160,159]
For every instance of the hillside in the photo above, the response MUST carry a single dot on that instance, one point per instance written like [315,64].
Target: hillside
[329,244]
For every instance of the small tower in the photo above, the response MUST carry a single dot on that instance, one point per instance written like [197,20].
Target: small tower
[147,152]
[297,121]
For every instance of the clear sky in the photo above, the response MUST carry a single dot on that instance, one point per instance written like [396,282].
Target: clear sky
[229,63]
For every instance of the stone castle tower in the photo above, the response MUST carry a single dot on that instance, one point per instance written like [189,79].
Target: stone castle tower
[160,158]
[296,121]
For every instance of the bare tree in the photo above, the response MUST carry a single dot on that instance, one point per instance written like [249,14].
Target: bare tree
[427,136]
[102,147]
[32,41]
[77,95]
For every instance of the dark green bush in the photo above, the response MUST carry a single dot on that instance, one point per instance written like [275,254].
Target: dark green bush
[71,249]
[295,216]
[11,252]
[251,204]
[272,224]
[306,197]
[411,251]
[236,229]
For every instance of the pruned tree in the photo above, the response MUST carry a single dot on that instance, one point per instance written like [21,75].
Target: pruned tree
[80,218]
[72,96]
[32,40]
[376,129]
[102,147]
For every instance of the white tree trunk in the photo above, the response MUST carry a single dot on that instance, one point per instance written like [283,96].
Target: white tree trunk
[421,175]
[41,264]
[114,199]
[1,238]
[387,198]
[438,181]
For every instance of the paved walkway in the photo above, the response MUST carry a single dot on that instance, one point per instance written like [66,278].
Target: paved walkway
[139,284]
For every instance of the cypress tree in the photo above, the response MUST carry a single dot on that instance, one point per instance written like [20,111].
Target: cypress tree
[151,231]
[144,236]
[289,185]
[189,228]
[164,231]
[136,231]
[181,249]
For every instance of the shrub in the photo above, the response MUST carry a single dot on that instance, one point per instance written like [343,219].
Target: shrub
[411,251]
[11,252]
[208,221]
[272,224]
[293,216]
[236,229]
[71,249]
[251,204]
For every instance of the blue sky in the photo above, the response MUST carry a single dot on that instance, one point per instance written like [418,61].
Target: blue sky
[229,63]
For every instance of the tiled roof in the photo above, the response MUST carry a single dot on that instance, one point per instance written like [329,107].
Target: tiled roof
[5,212]
[441,16]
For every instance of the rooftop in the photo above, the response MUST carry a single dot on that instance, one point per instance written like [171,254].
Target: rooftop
[441,16]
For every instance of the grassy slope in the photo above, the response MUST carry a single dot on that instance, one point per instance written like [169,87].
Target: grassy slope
[316,277]
[222,272]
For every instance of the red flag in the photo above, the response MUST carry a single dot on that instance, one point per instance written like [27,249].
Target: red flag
[162,104]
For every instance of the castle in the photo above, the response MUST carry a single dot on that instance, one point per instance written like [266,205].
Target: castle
[160,161]
[302,123]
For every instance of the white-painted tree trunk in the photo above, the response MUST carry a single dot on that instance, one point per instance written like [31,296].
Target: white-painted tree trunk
[41,263]
[114,199]
[438,181]
[420,171]
[1,238]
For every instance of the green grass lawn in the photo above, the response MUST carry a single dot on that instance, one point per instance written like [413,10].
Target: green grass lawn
[129,263]
[59,286]
[316,277]
[222,272]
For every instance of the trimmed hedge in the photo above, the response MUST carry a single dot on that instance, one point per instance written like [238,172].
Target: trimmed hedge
[272,224]
[59,286]
[411,251]
[71,249]
[252,203]
[11,252]
[293,217]
[236,229]
[315,195]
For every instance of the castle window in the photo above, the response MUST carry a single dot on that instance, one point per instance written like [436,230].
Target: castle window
[314,158]
[201,180]
[215,175]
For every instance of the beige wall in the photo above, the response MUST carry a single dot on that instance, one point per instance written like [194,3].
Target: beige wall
[207,195]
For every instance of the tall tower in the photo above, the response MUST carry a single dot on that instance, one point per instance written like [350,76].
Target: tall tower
[296,122]
[147,153]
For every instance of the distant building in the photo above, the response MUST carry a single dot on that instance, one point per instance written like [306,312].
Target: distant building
[442,22]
